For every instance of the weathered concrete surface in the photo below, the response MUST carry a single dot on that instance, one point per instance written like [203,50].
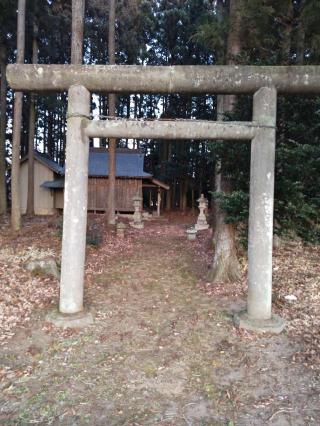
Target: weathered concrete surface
[120,228]
[174,129]
[261,207]
[75,204]
[137,215]
[191,234]
[202,219]
[155,79]
[78,320]
[274,325]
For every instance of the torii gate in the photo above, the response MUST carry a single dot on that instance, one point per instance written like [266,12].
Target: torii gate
[79,80]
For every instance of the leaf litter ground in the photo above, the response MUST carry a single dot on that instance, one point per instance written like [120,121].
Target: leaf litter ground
[163,349]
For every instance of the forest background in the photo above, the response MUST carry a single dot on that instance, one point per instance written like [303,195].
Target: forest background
[175,32]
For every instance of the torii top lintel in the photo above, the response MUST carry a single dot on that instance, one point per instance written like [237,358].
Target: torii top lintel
[165,79]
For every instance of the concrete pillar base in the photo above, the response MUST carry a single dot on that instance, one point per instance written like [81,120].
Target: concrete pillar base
[191,234]
[274,325]
[201,227]
[79,320]
[137,225]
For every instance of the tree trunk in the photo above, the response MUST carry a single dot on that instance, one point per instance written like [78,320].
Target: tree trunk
[225,262]
[184,188]
[300,44]
[17,122]
[174,194]
[193,200]
[169,193]
[78,8]
[180,194]
[226,266]
[3,125]
[32,121]
[111,202]
[287,24]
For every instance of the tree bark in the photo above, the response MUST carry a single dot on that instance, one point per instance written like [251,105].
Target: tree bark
[226,266]
[193,199]
[300,44]
[78,8]
[169,193]
[174,194]
[184,199]
[111,201]
[32,121]
[287,24]
[3,125]
[17,122]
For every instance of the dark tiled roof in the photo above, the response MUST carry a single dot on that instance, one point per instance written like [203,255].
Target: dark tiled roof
[128,164]
[44,159]
[54,184]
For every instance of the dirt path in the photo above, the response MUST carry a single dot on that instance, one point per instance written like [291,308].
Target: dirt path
[161,351]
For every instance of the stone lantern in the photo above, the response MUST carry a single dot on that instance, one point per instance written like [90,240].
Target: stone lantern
[202,220]
[191,234]
[120,229]
[137,215]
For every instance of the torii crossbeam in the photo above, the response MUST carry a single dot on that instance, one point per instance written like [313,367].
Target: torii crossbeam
[264,82]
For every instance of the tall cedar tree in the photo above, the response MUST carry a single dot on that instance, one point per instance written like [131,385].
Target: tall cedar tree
[111,202]
[225,263]
[3,125]
[277,33]
[17,122]
[160,33]
[32,123]
[78,9]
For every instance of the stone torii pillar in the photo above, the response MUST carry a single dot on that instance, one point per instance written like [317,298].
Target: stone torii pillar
[74,215]
[258,316]
[265,81]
